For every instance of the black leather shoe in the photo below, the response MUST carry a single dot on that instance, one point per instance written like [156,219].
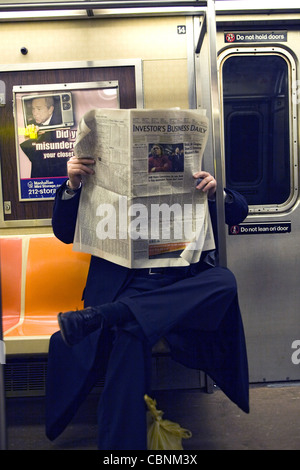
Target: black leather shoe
[76,325]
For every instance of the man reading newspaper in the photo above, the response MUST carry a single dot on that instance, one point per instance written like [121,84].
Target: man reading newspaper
[192,304]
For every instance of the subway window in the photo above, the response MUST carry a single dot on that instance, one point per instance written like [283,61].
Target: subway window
[258,128]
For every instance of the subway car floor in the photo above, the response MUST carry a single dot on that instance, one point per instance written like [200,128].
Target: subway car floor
[215,422]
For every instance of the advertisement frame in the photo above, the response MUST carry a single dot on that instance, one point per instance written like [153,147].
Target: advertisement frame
[135,63]
[43,149]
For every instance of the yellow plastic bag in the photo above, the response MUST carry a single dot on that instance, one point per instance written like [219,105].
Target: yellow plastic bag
[163,434]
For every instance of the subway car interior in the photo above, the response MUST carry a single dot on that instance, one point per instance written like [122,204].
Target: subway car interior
[239,61]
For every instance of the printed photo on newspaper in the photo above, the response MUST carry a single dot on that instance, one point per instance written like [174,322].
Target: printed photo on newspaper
[141,208]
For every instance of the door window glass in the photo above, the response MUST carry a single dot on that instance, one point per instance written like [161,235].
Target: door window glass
[256,114]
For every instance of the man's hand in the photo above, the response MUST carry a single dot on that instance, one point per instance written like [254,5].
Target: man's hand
[78,167]
[207,184]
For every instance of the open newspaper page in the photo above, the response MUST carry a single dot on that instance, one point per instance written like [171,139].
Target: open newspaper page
[141,207]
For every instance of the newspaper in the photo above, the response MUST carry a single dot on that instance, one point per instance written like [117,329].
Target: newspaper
[141,208]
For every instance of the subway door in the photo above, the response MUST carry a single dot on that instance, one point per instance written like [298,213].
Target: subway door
[259,121]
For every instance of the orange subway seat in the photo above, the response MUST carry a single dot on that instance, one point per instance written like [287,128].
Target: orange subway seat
[11,280]
[55,279]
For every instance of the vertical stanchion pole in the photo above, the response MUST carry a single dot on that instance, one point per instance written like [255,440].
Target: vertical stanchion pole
[3,432]
[216,130]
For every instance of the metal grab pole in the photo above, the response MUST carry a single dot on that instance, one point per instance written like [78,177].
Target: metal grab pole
[3,435]
[3,439]
[216,130]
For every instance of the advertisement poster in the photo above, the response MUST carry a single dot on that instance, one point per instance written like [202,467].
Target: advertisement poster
[46,120]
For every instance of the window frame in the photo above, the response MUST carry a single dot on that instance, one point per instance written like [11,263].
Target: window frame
[293,121]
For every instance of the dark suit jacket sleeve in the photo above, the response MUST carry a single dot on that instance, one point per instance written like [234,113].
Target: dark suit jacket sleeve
[236,209]
[65,215]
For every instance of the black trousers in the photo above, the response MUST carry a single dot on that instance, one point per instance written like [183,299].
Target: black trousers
[163,304]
